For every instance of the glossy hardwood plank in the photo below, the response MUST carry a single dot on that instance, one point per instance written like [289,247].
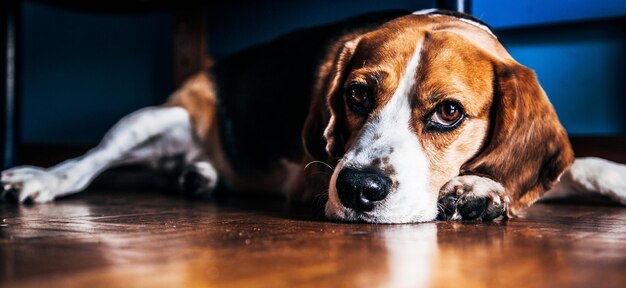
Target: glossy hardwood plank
[143,239]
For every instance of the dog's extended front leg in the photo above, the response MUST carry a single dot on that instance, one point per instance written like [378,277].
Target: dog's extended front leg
[144,135]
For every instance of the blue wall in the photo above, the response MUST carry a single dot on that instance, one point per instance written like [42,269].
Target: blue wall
[581,66]
[81,71]
[514,13]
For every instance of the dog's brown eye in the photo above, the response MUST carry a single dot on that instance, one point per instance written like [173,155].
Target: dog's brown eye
[449,112]
[359,99]
[446,116]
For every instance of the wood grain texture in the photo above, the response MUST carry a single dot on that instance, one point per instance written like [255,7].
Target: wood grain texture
[145,239]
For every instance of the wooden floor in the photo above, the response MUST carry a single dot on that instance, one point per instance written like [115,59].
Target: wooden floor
[132,238]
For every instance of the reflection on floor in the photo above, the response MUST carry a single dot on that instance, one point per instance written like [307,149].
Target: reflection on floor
[122,238]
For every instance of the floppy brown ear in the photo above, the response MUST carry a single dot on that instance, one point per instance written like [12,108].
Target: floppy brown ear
[325,129]
[527,149]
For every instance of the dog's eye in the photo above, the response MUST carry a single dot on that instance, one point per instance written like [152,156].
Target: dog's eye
[448,113]
[359,99]
[446,116]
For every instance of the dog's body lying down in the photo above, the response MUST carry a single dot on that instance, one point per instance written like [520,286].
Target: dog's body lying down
[394,117]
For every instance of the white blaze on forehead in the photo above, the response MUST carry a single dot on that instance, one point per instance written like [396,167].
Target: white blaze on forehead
[389,134]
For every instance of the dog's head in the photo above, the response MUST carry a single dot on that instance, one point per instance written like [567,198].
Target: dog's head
[408,106]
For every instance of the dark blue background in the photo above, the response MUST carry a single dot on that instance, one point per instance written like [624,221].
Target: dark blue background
[83,71]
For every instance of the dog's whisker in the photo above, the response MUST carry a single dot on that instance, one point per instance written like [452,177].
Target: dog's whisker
[320,198]
[317,162]
[441,207]
[319,201]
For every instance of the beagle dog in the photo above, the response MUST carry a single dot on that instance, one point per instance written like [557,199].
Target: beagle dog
[385,118]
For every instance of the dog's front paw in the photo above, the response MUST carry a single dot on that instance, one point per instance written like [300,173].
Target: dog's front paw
[472,197]
[198,179]
[25,183]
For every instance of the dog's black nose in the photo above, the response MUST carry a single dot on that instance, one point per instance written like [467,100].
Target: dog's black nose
[361,189]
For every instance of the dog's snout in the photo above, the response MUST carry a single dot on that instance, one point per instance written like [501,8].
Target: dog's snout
[362,189]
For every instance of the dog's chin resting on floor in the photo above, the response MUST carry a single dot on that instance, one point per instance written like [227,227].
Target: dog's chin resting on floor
[390,117]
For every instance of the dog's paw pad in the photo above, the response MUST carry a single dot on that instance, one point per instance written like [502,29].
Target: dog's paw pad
[447,207]
[9,192]
[198,180]
[472,208]
[472,197]
[27,184]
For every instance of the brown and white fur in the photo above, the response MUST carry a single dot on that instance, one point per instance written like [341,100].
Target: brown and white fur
[276,118]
